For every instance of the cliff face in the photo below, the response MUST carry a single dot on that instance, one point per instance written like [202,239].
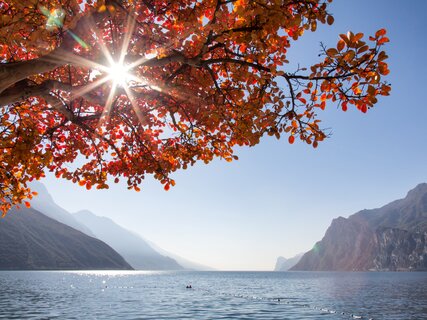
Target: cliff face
[399,249]
[30,240]
[346,246]
[392,238]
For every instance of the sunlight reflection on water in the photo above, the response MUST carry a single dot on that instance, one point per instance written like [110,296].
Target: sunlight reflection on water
[115,273]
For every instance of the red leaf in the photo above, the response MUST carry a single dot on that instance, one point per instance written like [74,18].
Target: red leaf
[380,33]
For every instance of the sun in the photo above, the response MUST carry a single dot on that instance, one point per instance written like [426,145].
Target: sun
[119,73]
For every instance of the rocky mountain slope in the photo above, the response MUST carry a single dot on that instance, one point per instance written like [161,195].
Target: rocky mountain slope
[393,237]
[30,240]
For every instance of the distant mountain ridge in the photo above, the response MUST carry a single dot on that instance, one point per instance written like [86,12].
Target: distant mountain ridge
[44,203]
[185,263]
[409,213]
[133,250]
[131,246]
[138,252]
[29,240]
[393,237]
[284,264]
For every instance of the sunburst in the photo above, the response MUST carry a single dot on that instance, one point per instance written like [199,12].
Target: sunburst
[119,73]
[114,72]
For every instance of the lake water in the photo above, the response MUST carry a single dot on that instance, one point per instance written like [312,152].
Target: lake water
[214,295]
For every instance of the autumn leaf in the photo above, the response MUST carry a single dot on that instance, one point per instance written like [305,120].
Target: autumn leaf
[380,33]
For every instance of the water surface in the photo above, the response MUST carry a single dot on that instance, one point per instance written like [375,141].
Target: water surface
[214,295]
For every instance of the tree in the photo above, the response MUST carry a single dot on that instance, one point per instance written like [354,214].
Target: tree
[94,90]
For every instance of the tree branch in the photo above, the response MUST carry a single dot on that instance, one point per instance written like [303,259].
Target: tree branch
[18,71]
[11,73]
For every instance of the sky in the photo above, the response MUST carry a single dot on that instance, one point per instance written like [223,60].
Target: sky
[279,199]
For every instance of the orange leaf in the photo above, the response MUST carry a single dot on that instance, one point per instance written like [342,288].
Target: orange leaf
[344,106]
[27,204]
[291,139]
[383,40]
[340,45]
[380,33]
[331,52]
[358,36]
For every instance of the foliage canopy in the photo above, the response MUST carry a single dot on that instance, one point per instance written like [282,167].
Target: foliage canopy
[96,89]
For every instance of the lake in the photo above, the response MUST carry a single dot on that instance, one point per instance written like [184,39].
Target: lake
[214,295]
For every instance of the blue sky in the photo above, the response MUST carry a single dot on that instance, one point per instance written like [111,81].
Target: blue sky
[279,199]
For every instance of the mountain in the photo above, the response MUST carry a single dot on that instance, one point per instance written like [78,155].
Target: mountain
[138,252]
[131,246]
[29,240]
[44,203]
[284,264]
[185,263]
[393,237]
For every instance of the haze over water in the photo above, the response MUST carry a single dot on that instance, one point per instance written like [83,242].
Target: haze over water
[214,295]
